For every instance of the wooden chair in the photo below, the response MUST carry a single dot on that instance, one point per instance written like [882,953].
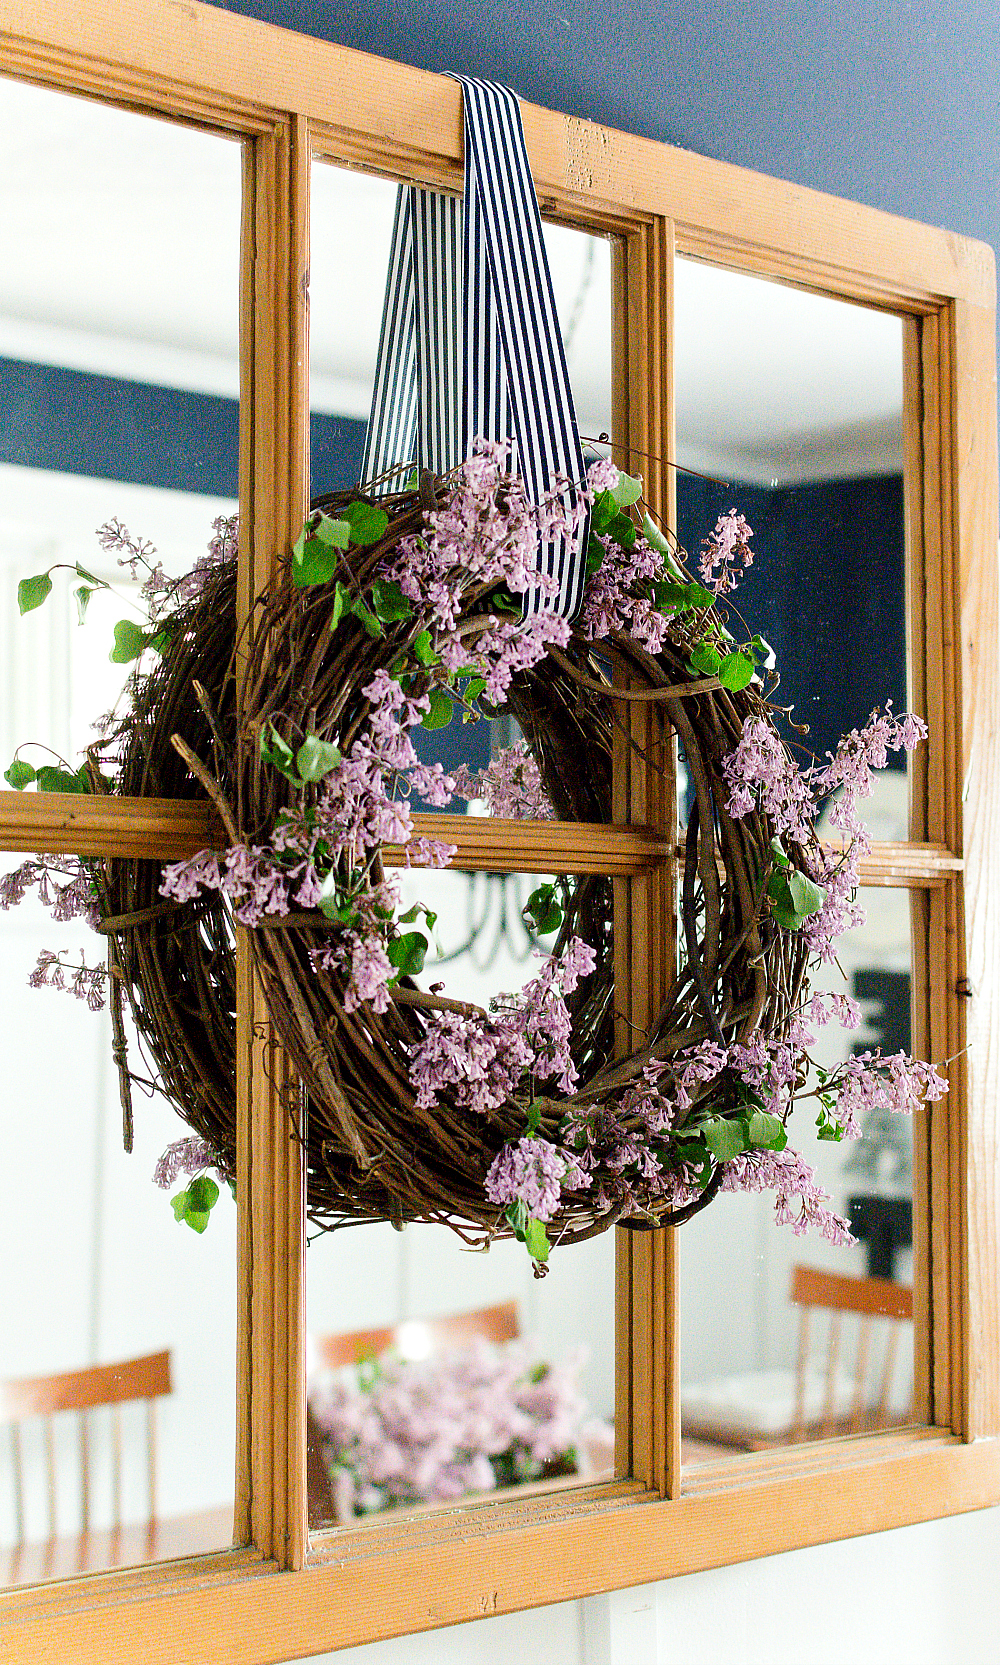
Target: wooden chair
[413,1339]
[418,1338]
[869,1299]
[83,1391]
[762,1409]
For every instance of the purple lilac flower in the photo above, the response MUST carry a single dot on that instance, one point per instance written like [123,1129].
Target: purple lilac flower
[870,1081]
[728,545]
[189,1156]
[602,475]
[423,1431]
[790,1177]
[85,982]
[510,786]
[73,900]
[531,1172]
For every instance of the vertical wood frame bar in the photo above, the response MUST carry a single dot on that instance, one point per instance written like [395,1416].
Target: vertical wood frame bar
[274,492]
[648,1448]
[976,1150]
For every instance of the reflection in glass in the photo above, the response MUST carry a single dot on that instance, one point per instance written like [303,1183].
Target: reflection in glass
[119,280]
[792,402]
[106,1275]
[738,1375]
[535,1394]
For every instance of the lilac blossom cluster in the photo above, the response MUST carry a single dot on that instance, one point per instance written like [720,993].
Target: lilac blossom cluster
[487,533]
[189,1157]
[800,1201]
[510,786]
[760,772]
[85,982]
[535,1173]
[481,1059]
[76,899]
[619,595]
[728,549]
[159,592]
[359,807]
[407,1432]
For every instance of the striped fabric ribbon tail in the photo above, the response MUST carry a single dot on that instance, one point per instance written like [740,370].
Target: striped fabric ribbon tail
[470,345]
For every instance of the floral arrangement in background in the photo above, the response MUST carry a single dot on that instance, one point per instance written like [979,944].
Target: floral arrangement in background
[690,1113]
[400,1432]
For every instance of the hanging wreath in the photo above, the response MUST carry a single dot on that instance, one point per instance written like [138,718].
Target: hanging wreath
[521,1118]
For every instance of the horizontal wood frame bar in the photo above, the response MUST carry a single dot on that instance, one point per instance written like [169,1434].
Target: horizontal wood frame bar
[168,829]
[501,1557]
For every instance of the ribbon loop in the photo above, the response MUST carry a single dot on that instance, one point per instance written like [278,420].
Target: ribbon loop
[470,345]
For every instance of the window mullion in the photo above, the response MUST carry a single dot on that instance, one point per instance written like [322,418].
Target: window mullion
[648,1444]
[274,490]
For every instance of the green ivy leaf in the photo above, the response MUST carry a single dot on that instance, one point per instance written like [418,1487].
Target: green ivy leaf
[277,752]
[313,562]
[544,910]
[129,642]
[81,596]
[441,709]
[778,852]
[389,601]
[794,897]
[341,604]
[622,532]
[656,540]
[423,649]
[516,1216]
[98,583]
[706,659]
[602,513]
[407,952]
[595,556]
[534,1120]
[367,523]
[315,758]
[51,779]
[31,592]
[502,598]
[362,611]
[332,530]
[19,775]
[161,641]
[194,1205]
[627,491]
[736,670]
[725,1138]
[766,1132]
[536,1240]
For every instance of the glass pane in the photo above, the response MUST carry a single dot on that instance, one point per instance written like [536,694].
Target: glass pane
[119,279]
[520,1387]
[346,304]
[792,403]
[739,1378]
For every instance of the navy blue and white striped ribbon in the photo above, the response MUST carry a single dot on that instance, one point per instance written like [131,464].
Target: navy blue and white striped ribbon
[470,342]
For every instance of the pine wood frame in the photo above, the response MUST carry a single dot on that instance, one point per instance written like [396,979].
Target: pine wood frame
[289,98]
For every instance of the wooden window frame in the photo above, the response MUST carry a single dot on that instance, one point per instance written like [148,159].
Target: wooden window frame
[289,98]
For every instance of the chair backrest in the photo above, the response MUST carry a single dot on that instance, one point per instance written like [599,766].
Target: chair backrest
[146,1378]
[871,1299]
[418,1338]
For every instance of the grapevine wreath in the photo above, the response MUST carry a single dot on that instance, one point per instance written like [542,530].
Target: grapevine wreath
[406,610]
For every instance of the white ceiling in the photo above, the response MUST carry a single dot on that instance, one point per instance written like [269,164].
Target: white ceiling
[121,250]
